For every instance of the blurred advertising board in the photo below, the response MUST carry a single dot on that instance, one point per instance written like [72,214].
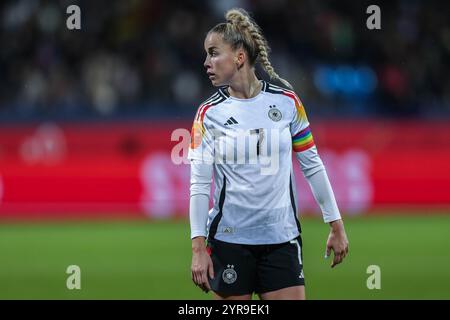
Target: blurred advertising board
[97,170]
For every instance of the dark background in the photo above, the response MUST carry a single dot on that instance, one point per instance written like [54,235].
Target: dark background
[145,58]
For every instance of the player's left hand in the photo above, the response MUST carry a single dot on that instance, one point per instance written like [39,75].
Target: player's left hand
[337,241]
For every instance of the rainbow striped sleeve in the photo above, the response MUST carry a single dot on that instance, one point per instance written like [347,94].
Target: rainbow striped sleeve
[198,129]
[303,140]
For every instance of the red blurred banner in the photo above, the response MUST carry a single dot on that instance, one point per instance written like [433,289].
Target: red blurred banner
[126,169]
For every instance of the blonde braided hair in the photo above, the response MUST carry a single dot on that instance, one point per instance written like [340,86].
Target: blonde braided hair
[242,31]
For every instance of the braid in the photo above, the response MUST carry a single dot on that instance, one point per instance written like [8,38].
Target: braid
[243,22]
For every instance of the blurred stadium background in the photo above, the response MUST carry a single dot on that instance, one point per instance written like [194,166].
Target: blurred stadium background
[86,123]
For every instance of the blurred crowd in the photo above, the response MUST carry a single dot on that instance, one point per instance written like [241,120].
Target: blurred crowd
[144,58]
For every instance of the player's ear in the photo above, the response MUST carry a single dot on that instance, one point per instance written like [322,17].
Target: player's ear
[240,58]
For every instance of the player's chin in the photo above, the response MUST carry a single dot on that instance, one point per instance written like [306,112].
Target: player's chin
[216,83]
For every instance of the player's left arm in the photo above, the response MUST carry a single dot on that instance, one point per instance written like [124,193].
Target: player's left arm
[314,171]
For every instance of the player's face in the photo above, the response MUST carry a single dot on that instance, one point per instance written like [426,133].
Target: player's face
[220,62]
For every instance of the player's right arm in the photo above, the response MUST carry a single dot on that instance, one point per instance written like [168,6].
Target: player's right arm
[202,266]
[201,155]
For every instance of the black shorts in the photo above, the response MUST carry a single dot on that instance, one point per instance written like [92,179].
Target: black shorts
[244,269]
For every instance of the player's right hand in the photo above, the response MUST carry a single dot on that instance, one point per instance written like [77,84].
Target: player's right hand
[201,268]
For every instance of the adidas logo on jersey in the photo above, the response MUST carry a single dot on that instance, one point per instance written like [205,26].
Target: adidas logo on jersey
[230,121]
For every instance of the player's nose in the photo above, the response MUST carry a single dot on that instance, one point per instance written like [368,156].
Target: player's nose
[207,63]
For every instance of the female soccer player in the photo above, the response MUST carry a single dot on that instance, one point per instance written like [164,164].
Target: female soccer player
[253,234]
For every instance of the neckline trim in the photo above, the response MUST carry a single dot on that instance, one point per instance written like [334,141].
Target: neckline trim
[224,92]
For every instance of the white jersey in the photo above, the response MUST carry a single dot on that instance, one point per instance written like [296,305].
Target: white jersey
[250,143]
